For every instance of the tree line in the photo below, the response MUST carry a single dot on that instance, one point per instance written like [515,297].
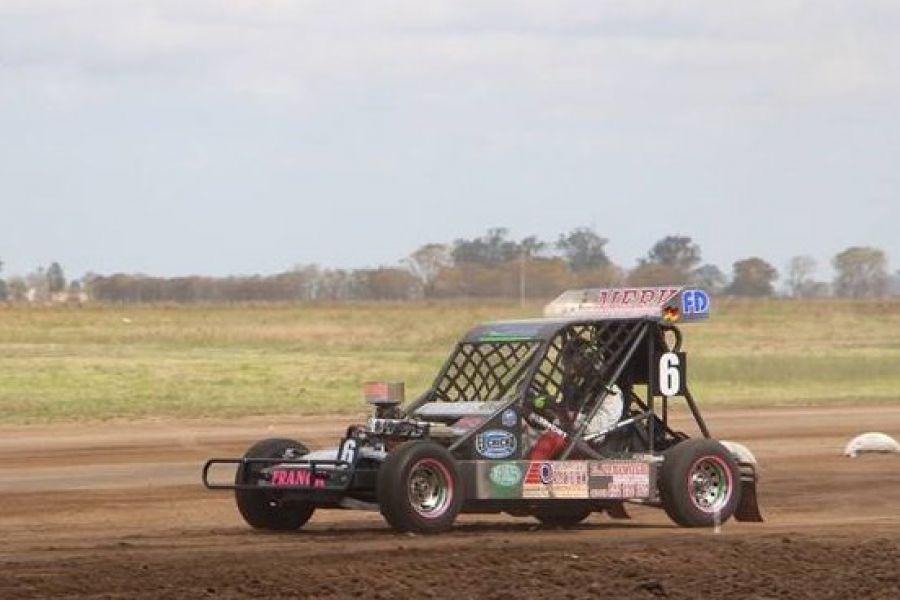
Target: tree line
[493,265]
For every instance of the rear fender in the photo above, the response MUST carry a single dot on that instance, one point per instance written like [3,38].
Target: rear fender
[748,508]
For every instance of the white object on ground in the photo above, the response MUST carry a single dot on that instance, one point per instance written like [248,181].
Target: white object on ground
[740,451]
[873,441]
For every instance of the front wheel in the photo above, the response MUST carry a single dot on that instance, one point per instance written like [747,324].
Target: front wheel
[419,488]
[265,509]
[699,483]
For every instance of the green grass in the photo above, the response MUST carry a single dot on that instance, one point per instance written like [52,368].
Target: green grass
[70,363]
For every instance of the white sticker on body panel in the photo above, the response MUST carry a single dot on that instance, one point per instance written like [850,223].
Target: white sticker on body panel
[556,479]
[619,480]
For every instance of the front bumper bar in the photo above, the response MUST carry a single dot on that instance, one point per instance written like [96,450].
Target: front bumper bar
[336,476]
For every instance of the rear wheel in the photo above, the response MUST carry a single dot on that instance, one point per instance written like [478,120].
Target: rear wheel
[419,488]
[699,483]
[265,509]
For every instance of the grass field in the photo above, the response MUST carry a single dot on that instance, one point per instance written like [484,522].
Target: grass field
[70,363]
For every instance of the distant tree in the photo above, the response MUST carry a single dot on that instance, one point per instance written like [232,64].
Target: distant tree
[472,280]
[491,250]
[709,277]
[4,291]
[609,276]
[649,274]
[426,263]
[861,272]
[529,250]
[531,247]
[544,277]
[503,266]
[56,279]
[753,277]
[670,261]
[17,289]
[584,250]
[387,283]
[799,276]
[895,284]
[817,289]
[86,280]
[800,283]
[307,279]
[37,288]
[677,252]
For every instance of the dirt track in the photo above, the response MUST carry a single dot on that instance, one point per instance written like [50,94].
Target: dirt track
[116,511]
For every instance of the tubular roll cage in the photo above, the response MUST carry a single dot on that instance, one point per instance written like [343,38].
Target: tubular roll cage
[616,343]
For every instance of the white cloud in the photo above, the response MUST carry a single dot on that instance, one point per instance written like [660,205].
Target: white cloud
[530,99]
[572,55]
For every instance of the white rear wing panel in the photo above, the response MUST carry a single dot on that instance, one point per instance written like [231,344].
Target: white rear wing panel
[669,304]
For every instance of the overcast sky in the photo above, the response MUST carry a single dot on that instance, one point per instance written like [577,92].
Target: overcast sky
[238,136]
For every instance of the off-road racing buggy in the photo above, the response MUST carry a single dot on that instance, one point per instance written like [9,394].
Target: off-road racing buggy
[555,418]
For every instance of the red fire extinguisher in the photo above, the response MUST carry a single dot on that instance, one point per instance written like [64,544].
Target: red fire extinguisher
[548,446]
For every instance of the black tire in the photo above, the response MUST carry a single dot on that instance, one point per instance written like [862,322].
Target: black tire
[265,509]
[699,483]
[562,516]
[431,470]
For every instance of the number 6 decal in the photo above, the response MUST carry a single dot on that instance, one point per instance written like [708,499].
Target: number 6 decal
[348,451]
[671,374]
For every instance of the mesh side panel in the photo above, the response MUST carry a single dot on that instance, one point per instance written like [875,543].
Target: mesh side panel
[582,358]
[481,371]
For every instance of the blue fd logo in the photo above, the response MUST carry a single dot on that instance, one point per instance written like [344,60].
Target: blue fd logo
[694,302]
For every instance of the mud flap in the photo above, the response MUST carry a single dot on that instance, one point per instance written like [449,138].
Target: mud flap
[748,507]
[617,511]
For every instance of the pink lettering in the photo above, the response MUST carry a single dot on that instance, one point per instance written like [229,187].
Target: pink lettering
[666,294]
[297,477]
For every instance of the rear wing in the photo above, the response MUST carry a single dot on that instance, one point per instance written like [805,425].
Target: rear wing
[669,304]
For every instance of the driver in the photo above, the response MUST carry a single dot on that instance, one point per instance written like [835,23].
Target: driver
[557,416]
[552,417]
[577,360]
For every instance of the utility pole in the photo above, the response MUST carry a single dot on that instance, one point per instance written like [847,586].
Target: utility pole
[522,278]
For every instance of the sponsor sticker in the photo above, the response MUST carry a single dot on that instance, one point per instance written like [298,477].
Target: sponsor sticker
[509,418]
[556,479]
[505,474]
[495,444]
[296,477]
[694,302]
[619,479]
